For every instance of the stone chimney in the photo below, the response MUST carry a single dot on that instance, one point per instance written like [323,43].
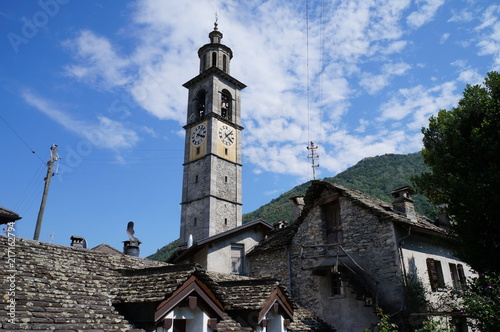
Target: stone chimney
[78,242]
[298,205]
[131,247]
[280,224]
[402,202]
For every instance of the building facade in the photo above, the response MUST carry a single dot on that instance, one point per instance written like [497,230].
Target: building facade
[349,253]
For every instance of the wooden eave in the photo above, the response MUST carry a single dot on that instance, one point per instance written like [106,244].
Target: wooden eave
[193,285]
[276,301]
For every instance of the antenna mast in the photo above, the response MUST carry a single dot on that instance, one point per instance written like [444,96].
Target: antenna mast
[50,165]
[314,157]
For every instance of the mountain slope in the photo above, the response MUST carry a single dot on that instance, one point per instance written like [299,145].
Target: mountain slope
[374,176]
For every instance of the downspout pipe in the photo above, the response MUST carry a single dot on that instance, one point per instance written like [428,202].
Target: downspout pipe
[403,267]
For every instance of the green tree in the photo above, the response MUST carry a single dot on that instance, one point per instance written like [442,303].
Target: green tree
[462,149]
[481,301]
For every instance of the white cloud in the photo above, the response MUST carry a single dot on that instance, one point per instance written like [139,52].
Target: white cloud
[490,35]
[374,83]
[99,63]
[104,133]
[425,13]
[419,103]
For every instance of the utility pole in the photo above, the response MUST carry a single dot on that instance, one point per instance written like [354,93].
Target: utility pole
[312,147]
[50,165]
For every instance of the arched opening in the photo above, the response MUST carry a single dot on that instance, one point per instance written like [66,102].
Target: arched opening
[200,104]
[214,59]
[203,64]
[226,105]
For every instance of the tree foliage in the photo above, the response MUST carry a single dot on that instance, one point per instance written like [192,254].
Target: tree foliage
[462,149]
[481,301]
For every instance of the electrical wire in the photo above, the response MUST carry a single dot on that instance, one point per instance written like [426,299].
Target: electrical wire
[22,140]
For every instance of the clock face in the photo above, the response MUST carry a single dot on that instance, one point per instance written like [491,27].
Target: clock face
[226,135]
[199,134]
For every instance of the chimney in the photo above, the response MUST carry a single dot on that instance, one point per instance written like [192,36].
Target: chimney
[280,224]
[131,247]
[403,203]
[298,205]
[78,242]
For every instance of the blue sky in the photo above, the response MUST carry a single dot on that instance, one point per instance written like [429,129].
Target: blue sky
[103,80]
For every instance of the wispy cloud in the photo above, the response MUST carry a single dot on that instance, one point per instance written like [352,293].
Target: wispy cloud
[104,133]
[425,13]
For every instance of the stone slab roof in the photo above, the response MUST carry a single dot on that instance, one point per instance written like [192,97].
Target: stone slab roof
[282,237]
[182,253]
[73,289]
[62,288]
[7,216]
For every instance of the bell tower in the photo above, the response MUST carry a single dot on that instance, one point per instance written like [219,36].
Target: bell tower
[211,189]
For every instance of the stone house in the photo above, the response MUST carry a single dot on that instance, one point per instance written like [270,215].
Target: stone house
[348,253]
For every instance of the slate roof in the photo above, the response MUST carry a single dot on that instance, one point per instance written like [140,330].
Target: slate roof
[62,288]
[7,216]
[183,253]
[279,238]
[72,289]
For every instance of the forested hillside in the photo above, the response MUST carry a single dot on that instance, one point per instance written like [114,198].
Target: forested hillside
[374,176]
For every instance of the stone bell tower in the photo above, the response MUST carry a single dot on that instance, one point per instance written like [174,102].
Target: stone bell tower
[211,189]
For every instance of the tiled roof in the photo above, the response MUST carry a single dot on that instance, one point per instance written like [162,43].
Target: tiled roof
[183,254]
[70,289]
[63,288]
[7,216]
[279,238]
[106,248]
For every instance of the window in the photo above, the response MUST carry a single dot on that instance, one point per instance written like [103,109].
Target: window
[457,275]
[204,62]
[224,62]
[195,221]
[196,179]
[237,258]
[435,274]
[200,103]
[337,285]
[225,221]
[214,59]
[197,150]
[226,108]
[225,179]
[332,221]
[226,151]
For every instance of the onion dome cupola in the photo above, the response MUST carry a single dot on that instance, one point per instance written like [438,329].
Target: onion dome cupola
[215,54]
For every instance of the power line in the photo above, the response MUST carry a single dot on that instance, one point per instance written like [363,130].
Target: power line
[22,140]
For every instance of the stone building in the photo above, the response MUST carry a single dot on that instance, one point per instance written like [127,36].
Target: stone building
[348,253]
